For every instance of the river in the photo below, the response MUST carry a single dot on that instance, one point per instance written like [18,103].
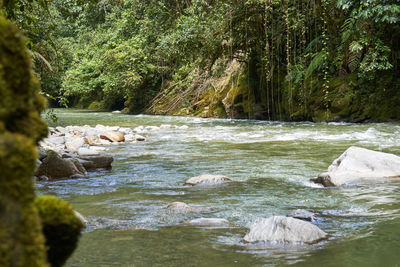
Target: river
[271,164]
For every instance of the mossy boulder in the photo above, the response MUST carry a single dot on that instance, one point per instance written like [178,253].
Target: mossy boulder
[61,228]
[22,242]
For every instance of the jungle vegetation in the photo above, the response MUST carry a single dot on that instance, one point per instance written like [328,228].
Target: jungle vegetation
[335,60]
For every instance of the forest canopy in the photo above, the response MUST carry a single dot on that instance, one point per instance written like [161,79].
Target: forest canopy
[265,59]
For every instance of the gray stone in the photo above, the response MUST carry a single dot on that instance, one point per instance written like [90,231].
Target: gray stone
[55,167]
[78,165]
[360,165]
[207,179]
[304,215]
[282,229]
[93,163]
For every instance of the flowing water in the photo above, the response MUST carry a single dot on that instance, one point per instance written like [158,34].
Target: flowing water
[271,164]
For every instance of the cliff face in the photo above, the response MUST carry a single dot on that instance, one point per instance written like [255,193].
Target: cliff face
[234,90]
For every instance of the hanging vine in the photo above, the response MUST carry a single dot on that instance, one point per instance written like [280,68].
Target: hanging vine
[325,51]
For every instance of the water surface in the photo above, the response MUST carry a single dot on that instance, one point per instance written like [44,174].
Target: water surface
[271,164]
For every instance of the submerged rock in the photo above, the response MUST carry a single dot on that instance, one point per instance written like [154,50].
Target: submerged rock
[207,179]
[179,207]
[284,230]
[210,222]
[304,215]
[357,165]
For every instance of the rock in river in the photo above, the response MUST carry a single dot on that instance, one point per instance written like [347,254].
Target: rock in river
[207,179]
[179,207]
[55,167]
[304,215]
[92,163]
[211,222]
[113,136]
[284,230]
[357,165]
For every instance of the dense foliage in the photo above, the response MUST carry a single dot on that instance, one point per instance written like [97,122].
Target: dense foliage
[317,59]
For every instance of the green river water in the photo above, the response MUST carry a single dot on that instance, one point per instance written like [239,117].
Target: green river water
[271,164]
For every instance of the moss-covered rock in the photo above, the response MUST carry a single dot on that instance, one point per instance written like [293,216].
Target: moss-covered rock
[61,228]
[22,243]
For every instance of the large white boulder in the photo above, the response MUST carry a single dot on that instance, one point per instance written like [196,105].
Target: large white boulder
[284,230]
[207,179]
[357,165]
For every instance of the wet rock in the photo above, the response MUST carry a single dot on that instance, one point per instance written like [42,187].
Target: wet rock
[207,179]
[78,165]
[211,222]
[179,207]
[74,144]
[113,136]
[116,112]
[358,165]
[284,230]
[304,215]
[139,138]
[55,167]
[87,152]
[93,163]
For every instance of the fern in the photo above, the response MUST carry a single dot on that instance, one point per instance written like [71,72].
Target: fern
[353,61]
[315,63]
[347,29]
